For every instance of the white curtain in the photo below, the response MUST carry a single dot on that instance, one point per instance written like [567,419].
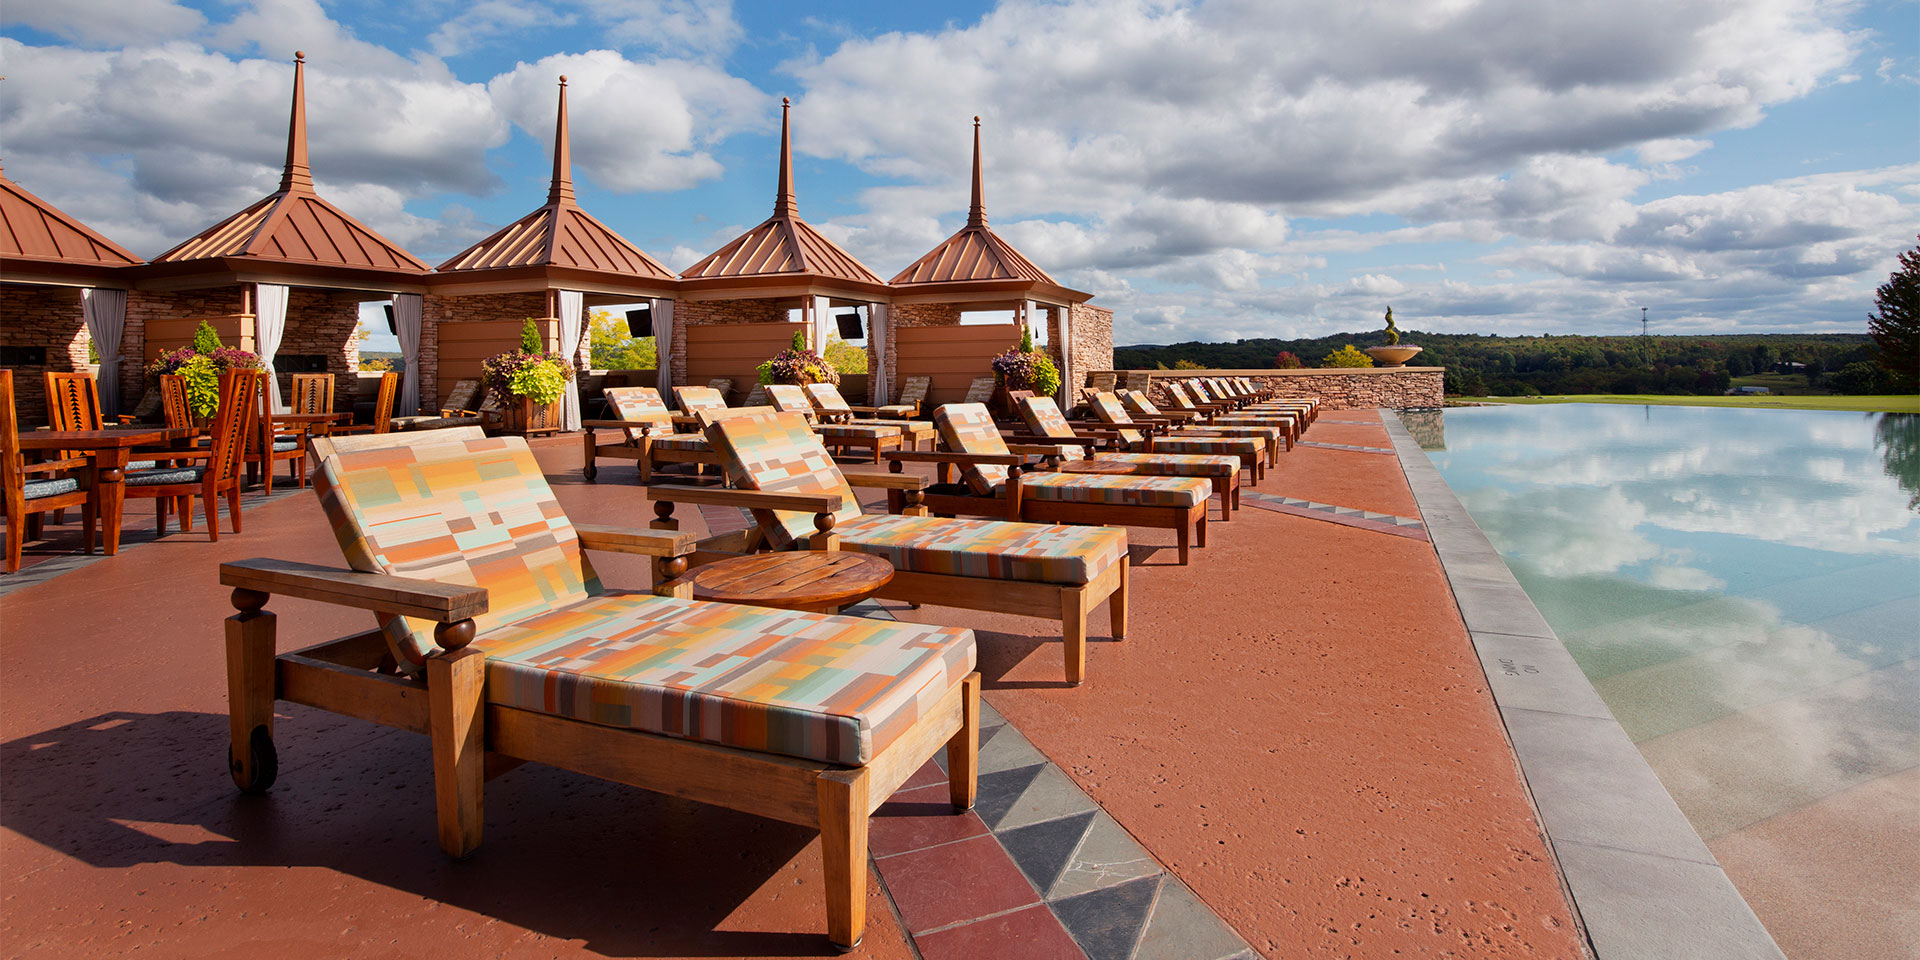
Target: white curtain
[1069,387]
[269,325]
[877,367]
[106,316]
[406,322]
[822,324]
[572,304]
[663,342]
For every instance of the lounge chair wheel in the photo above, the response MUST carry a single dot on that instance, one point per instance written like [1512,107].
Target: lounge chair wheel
[266,763]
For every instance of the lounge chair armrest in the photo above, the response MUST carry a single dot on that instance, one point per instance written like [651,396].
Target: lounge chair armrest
[426,599]
[624,424]
[652,543]
[1029,450]
[890,481]
[750,499]
[914,456]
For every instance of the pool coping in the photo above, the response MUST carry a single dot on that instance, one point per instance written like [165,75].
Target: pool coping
[1641,881]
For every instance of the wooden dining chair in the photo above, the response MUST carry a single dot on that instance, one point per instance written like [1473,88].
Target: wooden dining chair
[32,489]
[271,442]
[312,393]
[173,402]
[210,471]
[382,409]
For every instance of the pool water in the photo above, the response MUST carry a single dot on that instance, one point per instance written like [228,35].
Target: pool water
[1743,589]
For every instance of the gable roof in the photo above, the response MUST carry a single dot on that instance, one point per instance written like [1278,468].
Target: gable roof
[559,234]
[293,225]
[37,232]
[784,246]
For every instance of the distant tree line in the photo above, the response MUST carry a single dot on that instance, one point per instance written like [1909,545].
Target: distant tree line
[1479,365]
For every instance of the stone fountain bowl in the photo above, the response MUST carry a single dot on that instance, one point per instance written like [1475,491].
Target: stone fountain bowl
[1394,356]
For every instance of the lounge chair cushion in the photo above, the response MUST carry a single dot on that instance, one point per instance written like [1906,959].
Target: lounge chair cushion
[897,409]
[1131,491]
[857,431]
[789,398]
[695,399]
[144,478]
[36,489]
[995,549]
[689,442]
[433,423]
[827,397]
[1236,446]
[641,404]
[1225,469]
[1043,418]
[780,453]
[474,512]
[968,428]
[807,685]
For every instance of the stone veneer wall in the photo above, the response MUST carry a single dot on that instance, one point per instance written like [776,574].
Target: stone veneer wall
[1092,346]
[1395,388]
[717,311]
[32,316]
[323,322]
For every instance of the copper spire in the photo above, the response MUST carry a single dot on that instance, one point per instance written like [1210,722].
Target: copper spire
[298,176]
[977,214]
[784,203]
[562,189]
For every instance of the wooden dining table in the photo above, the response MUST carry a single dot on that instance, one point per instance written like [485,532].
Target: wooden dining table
[110,451]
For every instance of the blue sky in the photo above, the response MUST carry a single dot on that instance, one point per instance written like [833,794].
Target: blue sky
[1209,170]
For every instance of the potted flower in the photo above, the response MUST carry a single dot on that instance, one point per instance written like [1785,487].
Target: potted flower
[199,368]
[527,384]
[1023,368]
[1394,354]
[798,365]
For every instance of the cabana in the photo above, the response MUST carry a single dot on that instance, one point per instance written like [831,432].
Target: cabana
[62,286]
[734,304]
[553,265]
[285,278]
[976,270]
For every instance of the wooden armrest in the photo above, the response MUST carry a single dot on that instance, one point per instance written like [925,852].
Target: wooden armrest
[426,599]
[889,481]
[1040,450]
[914,456]
[751,499]
[652,543]
[173,453]
[645,425]
[55,466]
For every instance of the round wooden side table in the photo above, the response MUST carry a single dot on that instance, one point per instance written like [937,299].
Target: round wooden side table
[817,581]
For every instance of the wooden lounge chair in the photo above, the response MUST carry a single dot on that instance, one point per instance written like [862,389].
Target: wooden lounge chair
[32,489]
[1045,423]
[913,393]
[208,471]
[1253,446]
[645,435]
[835,430]
[1279,435]
[830,407]
[801,500]
[515,652]
[1210,413]
[994,486]
[724,385]
[459,411]
[979,391]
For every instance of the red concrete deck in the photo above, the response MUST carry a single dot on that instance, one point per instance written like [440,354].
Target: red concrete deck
[1296,728]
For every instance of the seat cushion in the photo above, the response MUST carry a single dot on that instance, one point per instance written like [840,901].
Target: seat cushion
[807,685]
[1236,446]
[144,478]
[143,465]
[1269,434]
[897,410]
[993,549]
[285,446]
[433,423]
[1178,465]
[688,442]
[1179,492]
[857,431]
[36,489]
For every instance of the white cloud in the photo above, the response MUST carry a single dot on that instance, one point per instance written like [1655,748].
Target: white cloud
[106,23]
[1670,150]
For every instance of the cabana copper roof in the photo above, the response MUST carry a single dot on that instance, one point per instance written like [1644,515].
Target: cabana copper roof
[975,263]
[785,251]
[558,238]
[40,241]
[291,230]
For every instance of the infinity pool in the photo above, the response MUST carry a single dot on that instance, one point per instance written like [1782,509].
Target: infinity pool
[1743,589]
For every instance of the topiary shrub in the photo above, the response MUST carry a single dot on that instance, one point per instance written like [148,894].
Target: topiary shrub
[530,337]
[206,340]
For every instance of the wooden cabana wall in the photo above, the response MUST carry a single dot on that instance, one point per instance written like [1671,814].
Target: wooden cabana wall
[733,350]
[951,355]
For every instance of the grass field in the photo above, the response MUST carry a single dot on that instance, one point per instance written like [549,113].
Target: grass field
[1885,404]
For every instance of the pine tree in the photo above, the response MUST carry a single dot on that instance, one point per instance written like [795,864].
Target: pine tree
[1896,327]
[206,340]
[530,338]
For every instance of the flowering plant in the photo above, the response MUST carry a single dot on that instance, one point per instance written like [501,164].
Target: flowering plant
[1025,368]
[798,365]
[200,366]
[517,373]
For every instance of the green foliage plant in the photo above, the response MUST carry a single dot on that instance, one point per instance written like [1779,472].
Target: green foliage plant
[1895,324]
[202,378]
[530,337]
[206,340]
[1188,365]
[1347,356]
[1026,368]
[540,381]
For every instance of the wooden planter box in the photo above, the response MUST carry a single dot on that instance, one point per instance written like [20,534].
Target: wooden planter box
[525,418]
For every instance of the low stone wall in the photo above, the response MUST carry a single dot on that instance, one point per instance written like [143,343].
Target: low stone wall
[1396,388]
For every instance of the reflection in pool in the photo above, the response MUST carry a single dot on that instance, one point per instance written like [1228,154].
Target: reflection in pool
[1743,589]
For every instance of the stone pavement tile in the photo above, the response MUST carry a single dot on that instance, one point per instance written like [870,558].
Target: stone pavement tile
[1107,923]
[1592,786]
[1050,795]
[1182,928]
[1642,907]
[1043,849]
[999,791]
[1006,749]
[955,882]
[1032,933]
[1499,608]
[917,819]
[1536,673]
[1107,856]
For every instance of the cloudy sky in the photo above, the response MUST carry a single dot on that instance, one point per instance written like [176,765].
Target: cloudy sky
[1210,170]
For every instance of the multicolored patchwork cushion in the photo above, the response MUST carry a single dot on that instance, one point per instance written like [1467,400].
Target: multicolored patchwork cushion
[1267,435]
[993,549]
[1043,418]
[1238,446]
[898,409]
[1138,405]
[858,431]
[780,453]
[475,512]
[968,428]
[688,442]
[695,399]
[1127,491]
[827,397]
[641,404]
[807,685]
[1178,465]
[789,398]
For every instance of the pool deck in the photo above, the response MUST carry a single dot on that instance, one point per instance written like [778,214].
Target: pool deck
[1296,752]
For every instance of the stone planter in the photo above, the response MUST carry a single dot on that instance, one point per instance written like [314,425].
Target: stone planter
[1394,356]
